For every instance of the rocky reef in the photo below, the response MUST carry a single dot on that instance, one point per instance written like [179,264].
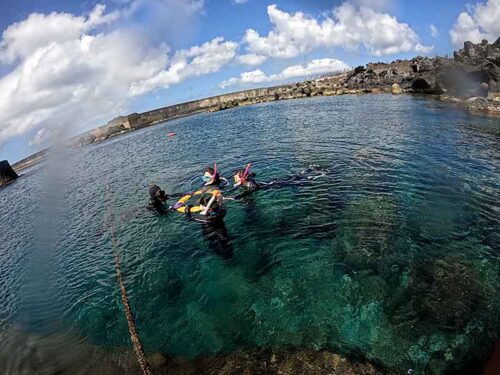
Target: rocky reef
[7,174]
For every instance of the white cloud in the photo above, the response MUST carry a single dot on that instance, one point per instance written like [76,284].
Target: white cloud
[314,67]
[349,27]
[64,87]
[198,60]
[434,31]
[252,59]
[38,30]
[66,74]
[481,21]
[240,1]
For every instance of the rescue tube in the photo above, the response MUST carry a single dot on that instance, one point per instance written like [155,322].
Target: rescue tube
[182,207]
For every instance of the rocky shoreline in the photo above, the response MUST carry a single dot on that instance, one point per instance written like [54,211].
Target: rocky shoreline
[471,79]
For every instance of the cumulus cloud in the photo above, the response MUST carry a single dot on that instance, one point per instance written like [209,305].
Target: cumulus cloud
[67,74]
[67,86]
[198,60]
[314,67]
[481,21]
[20,39]
[348,27]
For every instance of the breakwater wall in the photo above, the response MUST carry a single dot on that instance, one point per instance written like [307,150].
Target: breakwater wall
[29,161]
[136,121]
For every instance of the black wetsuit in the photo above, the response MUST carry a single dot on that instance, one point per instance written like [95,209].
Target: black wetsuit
[156,203]
[307,174]
[215,214]
[218,239]
[249,187]
[213,229]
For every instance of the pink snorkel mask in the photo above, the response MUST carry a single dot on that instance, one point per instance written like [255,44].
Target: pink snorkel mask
[245,174]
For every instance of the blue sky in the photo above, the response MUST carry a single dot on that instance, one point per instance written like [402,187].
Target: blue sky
[68,66]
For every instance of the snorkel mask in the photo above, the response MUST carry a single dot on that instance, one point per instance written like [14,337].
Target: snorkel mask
[211,177]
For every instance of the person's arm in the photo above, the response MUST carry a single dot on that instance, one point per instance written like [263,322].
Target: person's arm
[176,195]
[212,200]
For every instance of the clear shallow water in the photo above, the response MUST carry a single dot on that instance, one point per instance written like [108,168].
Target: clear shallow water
[393,255]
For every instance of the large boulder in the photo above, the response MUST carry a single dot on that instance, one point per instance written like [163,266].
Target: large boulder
[473,65]
[7,174]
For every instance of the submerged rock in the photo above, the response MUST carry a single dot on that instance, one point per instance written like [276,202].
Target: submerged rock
[262,361]
[448,292]
[29,353]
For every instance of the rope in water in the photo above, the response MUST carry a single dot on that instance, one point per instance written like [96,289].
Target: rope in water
[132,328]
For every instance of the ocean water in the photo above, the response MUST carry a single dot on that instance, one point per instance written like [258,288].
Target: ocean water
[393,255]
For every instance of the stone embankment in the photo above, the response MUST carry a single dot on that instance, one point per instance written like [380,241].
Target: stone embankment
[471,78]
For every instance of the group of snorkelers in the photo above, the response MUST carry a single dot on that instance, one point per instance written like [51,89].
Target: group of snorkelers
[207,204]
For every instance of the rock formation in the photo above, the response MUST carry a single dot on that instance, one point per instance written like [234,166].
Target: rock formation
[7,174]
[477,67]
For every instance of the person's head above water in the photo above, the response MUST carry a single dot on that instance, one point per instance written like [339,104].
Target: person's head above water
[238,177]
[242,176]
[156,194]
[211,176]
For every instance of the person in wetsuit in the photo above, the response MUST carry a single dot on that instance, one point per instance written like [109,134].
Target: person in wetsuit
[210,212]
[213,209]
[212,178]
[158,198]
[213,228]
[247,183]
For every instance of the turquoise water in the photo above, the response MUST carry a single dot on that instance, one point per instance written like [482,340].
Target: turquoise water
[392,256]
